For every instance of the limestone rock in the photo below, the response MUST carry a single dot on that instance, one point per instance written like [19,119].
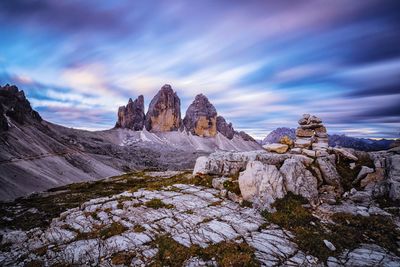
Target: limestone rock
[299,180]
[277,148]
[201,117]
[303,143]
[164,112]
[345,153]
[15,106]
[372,178]
[132,116]
[329,172]
[245,136]
[363,173]
[393,172]
[225,128]
[300,132]
[262,184]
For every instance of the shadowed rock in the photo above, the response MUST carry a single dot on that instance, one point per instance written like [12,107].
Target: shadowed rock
[164,112]
[132,116]
[201,117]
[14,104]
[225,128]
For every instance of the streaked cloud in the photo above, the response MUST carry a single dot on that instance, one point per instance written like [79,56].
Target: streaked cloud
[262,63]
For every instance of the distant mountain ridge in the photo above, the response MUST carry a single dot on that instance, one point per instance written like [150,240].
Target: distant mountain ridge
[342,140]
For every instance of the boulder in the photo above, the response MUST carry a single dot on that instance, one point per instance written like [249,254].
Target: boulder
[132,116]
[371,178]
[300,132]
[329,172]
[261,184]
[201,117]
[299,180]
[277,148]
[303,143]
[225,128]
[164,112]
[363,173]
[309,153]
[345,153]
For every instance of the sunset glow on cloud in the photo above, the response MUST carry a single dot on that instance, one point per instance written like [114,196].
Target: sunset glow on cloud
[261,63]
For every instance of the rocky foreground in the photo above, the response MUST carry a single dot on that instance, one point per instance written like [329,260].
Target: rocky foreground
[202,219]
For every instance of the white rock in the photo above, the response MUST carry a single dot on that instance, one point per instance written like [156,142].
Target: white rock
[299,180]
[329,245]
[261,184]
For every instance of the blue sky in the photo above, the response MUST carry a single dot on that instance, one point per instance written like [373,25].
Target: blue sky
[261,63]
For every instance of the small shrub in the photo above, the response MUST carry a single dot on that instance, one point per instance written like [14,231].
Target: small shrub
[171,253]
[286,140]
[156,203]
[115,228]
[138,228]
[232,186]
[122,258]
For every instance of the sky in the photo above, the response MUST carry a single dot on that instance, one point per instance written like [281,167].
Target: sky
[261,63]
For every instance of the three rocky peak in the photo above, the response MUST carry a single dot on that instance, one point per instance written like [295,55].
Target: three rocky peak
[164,115]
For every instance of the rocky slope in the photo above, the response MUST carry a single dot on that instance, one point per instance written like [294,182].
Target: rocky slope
[36,155]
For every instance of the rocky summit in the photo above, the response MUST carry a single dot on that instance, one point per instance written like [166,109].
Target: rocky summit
[201,117]
[132,115]
[225,128]
[14,107]
[164,112]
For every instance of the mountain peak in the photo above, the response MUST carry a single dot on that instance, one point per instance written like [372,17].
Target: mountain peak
[14,105]
[201,117]
[164,112]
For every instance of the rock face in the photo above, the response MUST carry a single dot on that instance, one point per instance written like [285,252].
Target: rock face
[299,180]
[225,128]
[13,104]
[311,134]
[276,135]
[201,117]
[393,164]
[164,112]
[132,116]
[261,184]
[278,148]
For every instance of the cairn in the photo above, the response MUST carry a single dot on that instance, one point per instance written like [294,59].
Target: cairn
[311,136]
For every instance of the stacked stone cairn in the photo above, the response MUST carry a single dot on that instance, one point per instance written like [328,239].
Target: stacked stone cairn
[311,137]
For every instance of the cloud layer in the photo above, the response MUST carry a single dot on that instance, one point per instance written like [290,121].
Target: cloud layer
[262,63]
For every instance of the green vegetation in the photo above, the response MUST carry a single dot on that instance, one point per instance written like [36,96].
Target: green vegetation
[113,229]
[138,228]
[103,231]
[347,231]
[232,186]
[156,203]
[122,258]
[57,200]
[347,174]
[171,253]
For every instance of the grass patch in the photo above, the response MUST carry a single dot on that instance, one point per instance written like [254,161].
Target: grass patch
[138,228]
[156,203]
[122,258]
[232,186]
[347,231]
[57,200]
[171,253]
[247,204]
